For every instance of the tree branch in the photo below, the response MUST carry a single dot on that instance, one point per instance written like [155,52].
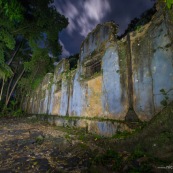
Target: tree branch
[14,86]
[15,53]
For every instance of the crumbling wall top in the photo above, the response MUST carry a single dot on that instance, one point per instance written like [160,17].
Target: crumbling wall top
[98,39]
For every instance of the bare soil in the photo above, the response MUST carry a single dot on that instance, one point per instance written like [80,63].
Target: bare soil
[27,146]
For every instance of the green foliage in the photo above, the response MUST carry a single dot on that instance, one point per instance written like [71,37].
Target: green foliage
[169,3]
[17,113]
[5,71]
[7,43]
[7,38]
[25,25]
[36,83]
[165,94]
[121,135]
[138,28]
[36,69]
[39,139]
[12,10]
[5,112]
[12,110]
[13,104]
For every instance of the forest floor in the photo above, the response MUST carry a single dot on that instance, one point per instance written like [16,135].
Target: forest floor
[29,145]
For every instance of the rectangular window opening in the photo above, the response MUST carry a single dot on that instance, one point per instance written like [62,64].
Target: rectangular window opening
[93,68]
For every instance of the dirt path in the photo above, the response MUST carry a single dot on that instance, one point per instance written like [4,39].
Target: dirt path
[31,146]
[27,146]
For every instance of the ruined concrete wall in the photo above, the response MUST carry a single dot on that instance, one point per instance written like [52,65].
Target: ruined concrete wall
[115,79]
[114,89]
[94,102]
[103,94]
[60,90]
[51,97]
[77,95]
[38,102]
[152,65]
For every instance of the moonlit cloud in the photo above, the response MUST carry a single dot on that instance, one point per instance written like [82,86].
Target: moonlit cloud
[71,12]
[83,17]
[65,52]
[94,12]
[88,26]
[96,9]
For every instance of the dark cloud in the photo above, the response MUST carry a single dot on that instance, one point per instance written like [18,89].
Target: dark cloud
[72,42]
[84,15]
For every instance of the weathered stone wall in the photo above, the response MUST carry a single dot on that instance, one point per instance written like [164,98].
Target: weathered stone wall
[38,102]
[60,90]
[115,79]
[51,97]
[103,94]
[152,66]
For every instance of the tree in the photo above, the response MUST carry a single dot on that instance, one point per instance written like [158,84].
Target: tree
[35,69]
[29,32]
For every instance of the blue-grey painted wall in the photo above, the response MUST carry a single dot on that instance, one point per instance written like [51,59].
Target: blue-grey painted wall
[151,65]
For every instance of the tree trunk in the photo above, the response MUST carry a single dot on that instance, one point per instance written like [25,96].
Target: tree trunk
[2,88]
[22,28]
[8,89]
[14,86]
[9,84]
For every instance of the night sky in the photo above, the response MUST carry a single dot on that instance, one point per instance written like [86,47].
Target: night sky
[84,15]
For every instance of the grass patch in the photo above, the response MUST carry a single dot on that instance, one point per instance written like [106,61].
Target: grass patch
[122,135]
